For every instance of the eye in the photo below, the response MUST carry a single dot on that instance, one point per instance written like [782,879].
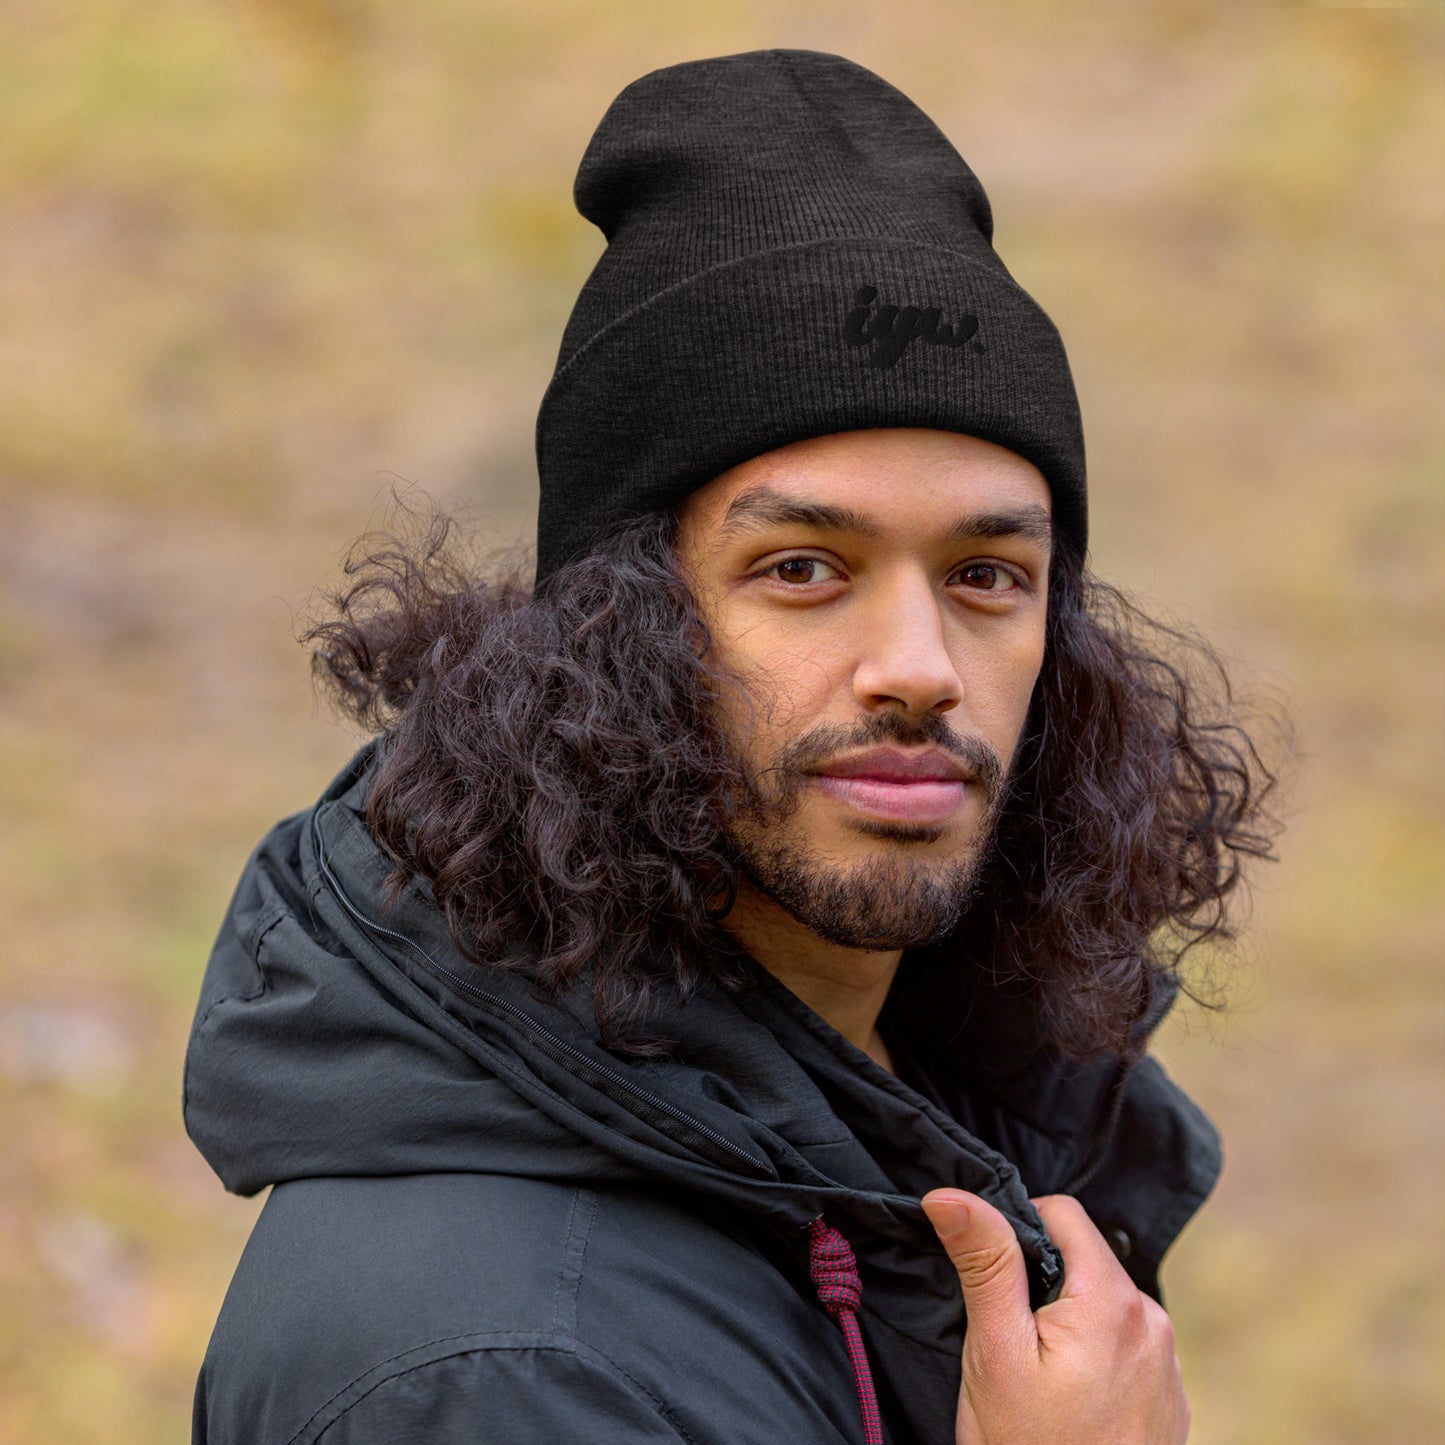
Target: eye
[801,570]
[988,577]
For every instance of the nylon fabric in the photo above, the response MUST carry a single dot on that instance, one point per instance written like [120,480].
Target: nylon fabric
[448,1163]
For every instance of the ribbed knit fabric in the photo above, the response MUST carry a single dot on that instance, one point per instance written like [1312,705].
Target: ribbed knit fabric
[835,1276]
[794,249]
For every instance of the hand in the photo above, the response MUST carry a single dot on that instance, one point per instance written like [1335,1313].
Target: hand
[1095,1367]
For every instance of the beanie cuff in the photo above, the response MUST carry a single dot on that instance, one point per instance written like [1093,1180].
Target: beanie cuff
[797,342]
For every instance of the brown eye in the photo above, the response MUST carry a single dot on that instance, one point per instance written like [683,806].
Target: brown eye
[984,577]
[799,569]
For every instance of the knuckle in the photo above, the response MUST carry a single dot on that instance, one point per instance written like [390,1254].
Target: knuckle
[1133,1321]
[984,1267]
[1157,1322]
[1184,1419]
[1133,1313]
[1058,1205]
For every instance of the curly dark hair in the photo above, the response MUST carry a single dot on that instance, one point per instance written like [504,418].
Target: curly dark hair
[552,768]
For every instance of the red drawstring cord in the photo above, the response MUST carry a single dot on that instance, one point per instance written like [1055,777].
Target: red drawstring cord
[835,1277]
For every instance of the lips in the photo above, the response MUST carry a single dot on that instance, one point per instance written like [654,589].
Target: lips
[922,787]
[889,766]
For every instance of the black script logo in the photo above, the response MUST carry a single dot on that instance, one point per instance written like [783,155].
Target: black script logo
[893,327]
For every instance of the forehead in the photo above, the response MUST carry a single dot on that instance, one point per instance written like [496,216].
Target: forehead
[887,480]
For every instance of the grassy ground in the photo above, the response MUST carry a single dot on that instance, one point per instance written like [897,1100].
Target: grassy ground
[259,261]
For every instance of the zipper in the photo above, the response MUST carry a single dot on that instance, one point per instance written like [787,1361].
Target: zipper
[618,1080]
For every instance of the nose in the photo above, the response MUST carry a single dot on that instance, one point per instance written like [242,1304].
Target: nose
[903,654]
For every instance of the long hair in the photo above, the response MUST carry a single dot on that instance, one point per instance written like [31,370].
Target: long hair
[554,771]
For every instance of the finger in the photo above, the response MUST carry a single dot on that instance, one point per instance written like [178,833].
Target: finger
[1089,1263]
[985,1251]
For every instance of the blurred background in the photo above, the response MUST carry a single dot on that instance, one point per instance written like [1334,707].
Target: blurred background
[262,262]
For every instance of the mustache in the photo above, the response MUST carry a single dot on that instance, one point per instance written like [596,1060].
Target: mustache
[807,753]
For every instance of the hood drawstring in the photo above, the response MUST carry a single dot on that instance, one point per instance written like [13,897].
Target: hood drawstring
[835,1276]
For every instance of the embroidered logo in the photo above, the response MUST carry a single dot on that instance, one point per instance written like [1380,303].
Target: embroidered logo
[893,327]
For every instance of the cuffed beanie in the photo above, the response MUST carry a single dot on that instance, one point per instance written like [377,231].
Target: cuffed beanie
[793,249]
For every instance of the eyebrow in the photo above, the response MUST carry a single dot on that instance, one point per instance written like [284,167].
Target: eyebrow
[1030,521]
[761,507]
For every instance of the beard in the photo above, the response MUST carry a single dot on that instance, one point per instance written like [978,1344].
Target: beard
[895,900]
[884,903]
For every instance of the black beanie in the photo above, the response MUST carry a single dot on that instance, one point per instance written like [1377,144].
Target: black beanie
[794,249]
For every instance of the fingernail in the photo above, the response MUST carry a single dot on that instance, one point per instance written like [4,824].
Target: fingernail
[960,1216]
[954,1208]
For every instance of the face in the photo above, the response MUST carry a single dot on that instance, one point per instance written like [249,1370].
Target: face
[880,597]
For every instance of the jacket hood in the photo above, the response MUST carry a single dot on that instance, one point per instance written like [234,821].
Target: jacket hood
[338,1034]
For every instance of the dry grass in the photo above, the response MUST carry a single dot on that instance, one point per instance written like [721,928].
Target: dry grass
[260,259]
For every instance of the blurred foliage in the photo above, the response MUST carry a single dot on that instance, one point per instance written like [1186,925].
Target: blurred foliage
[259,261]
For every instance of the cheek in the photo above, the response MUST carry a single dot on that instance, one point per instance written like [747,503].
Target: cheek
[789,681]
[1024,684]
[998,688]
[1023,673]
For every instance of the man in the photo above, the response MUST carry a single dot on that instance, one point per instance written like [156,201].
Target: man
[659,1031]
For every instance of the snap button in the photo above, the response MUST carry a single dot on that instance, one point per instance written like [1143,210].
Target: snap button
[1119,1242]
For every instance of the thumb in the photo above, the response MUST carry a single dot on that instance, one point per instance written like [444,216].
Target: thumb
[984,1250]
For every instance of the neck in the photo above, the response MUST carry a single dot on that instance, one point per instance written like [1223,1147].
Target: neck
[846,987]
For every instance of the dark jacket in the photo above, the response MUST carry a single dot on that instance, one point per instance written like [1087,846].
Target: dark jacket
[485,1227]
